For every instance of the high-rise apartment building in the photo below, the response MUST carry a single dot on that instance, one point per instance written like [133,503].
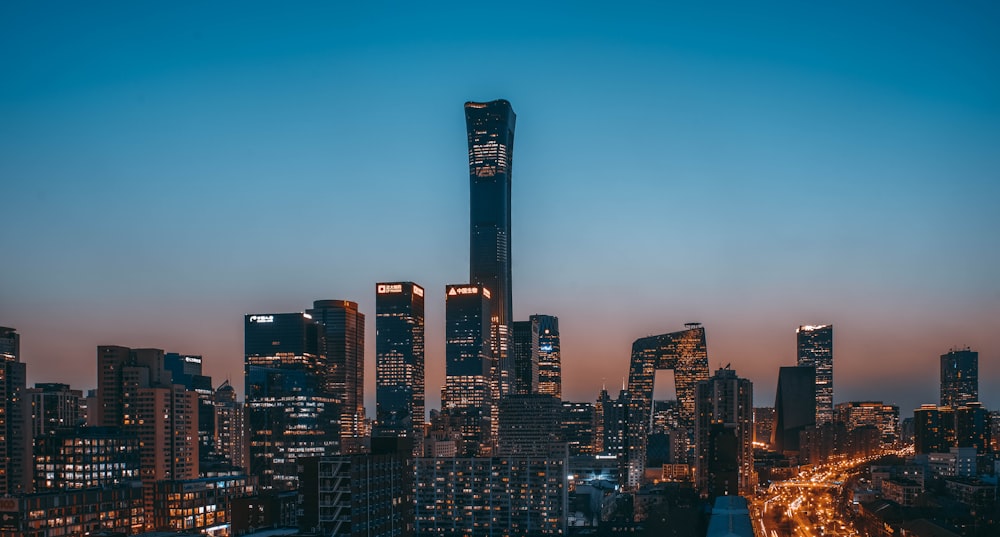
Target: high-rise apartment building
[344,347]
[612,414]
[86,457]
[15,426]
[399,361]
[959,378]
[290,412]
[724,434]
[578,423]
[490,129]
[815,348]
[933,429]
[794,407]
[530,427]
[54,406]
[468,394]
[549,362]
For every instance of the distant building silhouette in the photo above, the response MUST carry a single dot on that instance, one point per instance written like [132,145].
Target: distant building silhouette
[794,406]
[815,348]
[524,355]
[959,378]
[399,361]
[490,129]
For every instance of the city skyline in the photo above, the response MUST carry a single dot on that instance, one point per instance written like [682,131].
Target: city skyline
[147,197]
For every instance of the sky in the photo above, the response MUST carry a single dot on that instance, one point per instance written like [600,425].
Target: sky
[166,169]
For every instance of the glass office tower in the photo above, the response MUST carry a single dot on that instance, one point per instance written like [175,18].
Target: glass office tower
[399,361]
[959,378]
[490,129]
[468,394]
[815,348]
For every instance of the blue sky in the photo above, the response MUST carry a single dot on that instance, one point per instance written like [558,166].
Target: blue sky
[166,169]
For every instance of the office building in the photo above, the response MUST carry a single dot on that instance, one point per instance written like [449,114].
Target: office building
[344,336]
[490,129]
[885,418]
[687,354]
[933,429]
[794,407]
[186,370]
[197,506]
[959,378]
[972,427]
[53,406]
[549,361]
[815,349]
[15,424]
[611,415]
[469,395]
[399,361]
[724,434]
[578,424]
[524,355]
[763,424]
[289,411]
[86,457]
[530,427]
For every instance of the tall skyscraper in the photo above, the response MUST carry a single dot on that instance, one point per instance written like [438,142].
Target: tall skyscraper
[490,128]
[289,411]
[549,364]
[15,427]
[794,406]
[724,432]
[468,393]
[687,354]
[399,361]
[344,330]
[959,378]
[815,348]
[230,426]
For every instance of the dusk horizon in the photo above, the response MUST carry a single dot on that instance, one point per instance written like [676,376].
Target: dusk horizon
[171,172]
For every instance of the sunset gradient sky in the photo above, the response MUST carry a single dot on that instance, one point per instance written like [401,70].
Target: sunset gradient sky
[166,169]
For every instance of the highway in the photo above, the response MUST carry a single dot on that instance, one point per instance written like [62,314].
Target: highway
[808,505]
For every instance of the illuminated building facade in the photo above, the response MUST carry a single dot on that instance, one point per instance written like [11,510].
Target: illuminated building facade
[53,406]
[794,407]
[856,414]
[202,505]
[972,427]
[399,361]
[814,346]
[491,497]
[933,429]
[490,129]
[73,512]
[524,355]
[468,394]
[578,423]
[611,415]
[724,434]
[959,378]
[549,363]
[230,427]
[289,410]
[86,457]
[687,354]
[15,425]
[344,337]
